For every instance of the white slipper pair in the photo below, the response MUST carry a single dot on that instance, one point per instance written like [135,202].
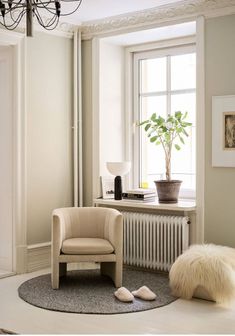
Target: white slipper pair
[144,293]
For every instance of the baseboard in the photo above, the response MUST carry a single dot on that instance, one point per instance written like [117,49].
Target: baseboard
[21,259]
[38,256]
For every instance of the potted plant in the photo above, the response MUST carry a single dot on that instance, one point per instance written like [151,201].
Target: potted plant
[166,132]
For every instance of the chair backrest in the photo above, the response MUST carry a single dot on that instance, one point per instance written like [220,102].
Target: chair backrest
[85,222]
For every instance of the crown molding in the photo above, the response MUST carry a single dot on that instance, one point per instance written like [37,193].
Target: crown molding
[182,11]
[63,29]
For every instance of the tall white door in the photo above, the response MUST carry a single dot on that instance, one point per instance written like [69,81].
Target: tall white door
[6,159]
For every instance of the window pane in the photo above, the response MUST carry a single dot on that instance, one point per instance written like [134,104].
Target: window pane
[154,78]
[151,156]
[183,160]
[150,105]
[185,103]
[153,75]
[183,72]
[152,164]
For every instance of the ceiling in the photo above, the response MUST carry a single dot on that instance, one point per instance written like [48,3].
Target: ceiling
[91,10]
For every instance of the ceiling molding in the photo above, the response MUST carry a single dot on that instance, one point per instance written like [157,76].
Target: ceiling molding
[171,13]
[63,29]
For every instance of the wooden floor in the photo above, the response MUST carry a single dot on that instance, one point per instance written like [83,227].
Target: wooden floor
[179,317]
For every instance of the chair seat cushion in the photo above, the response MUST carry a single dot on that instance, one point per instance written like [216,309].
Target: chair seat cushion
[86,246]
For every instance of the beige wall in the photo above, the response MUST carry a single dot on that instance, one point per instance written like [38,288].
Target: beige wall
[220,80]
[49,138]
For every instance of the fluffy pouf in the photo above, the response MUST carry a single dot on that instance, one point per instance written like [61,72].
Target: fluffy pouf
[205,271]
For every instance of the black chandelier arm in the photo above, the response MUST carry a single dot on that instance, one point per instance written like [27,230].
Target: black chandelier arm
[13,9]
[50,25]
[66,14]
[50,22]
[50,10]
[15,21]
[14,5]
[43,3]
[9,10]
[14,24]
[18,19]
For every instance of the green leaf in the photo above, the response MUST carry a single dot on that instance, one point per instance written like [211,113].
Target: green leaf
[160,120]
[177,147]
[147,127]
[185,115]
[142,122]
[185,124]
[153,117]
[181,139]
[153,139]
[178,114]
[179,130]
[158,143]
[185,133]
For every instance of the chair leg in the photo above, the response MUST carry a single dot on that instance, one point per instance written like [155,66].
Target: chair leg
[62,269]
[55,275]
[113,270]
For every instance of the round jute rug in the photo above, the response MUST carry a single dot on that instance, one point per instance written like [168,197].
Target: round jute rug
[88,292]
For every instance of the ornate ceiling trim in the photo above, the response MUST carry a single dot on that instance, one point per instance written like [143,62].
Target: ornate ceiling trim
[185,10]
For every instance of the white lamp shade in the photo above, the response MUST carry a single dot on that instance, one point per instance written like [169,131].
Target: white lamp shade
[119,168]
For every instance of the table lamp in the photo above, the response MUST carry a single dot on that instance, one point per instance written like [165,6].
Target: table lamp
[118,169]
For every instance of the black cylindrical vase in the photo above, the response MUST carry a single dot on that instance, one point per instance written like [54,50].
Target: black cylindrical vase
[118,188]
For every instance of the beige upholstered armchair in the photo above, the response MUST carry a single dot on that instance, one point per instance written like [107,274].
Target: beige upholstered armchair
[87,234]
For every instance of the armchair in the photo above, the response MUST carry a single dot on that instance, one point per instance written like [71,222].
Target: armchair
[87,234]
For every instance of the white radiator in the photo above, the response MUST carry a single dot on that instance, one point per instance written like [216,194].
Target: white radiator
[154,241]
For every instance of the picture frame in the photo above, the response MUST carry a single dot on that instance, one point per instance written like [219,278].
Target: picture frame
[223,131]
[107,186]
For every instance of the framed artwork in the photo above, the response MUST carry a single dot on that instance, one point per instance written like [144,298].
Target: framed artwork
[223,131]
[107,184]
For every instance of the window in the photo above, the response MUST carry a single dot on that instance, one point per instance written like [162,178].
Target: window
[165,82]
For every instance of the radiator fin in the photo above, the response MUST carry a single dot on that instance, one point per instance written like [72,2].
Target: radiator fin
[154,241]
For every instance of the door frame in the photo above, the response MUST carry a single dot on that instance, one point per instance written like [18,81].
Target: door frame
[18,43]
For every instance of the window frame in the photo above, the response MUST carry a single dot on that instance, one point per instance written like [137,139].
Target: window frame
[166,51]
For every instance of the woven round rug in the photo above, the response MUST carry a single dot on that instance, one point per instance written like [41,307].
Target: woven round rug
[88,292]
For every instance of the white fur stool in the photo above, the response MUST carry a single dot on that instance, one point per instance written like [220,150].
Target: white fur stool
[204,271]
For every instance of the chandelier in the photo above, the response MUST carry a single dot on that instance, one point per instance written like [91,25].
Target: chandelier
[47,12]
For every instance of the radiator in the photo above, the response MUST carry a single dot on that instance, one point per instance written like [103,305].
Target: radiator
[154,241]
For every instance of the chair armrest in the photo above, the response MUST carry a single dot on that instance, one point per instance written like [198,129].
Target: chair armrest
[59,230]
[114,230]
[56,233]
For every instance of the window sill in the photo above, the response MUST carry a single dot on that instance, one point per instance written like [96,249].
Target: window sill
[182,205]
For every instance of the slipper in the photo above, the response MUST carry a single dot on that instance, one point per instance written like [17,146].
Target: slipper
[124,295]
[144,293]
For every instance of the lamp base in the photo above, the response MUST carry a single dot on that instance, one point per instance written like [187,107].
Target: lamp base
[118,188]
